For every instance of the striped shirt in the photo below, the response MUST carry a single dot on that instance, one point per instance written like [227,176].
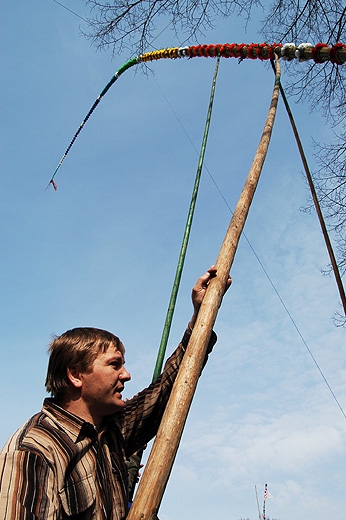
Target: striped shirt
[58,466]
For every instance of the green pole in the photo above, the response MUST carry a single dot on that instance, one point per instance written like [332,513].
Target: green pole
[179,270]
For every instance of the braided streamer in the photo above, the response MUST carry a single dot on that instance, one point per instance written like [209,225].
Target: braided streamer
[320,53]
[126,66]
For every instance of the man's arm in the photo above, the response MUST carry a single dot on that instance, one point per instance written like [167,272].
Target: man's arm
[143,413]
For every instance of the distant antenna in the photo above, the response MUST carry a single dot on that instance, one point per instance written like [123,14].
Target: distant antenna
[258,506]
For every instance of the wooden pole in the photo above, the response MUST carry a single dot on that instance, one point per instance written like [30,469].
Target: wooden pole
[324,230]
[258,506]
[158,468]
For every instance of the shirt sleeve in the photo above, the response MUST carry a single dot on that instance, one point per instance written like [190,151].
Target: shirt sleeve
[26,481]
[143,413]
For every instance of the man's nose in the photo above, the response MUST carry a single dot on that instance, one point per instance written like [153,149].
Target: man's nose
[125,375]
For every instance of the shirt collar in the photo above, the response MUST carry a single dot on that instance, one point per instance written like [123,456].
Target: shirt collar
[74,426]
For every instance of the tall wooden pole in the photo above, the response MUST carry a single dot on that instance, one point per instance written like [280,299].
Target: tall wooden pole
[158,468]
[324,230]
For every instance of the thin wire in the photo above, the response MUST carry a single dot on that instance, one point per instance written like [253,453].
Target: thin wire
[259,261]
[85,20]
[70,10]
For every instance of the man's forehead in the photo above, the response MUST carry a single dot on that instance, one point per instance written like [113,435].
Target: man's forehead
[114,352]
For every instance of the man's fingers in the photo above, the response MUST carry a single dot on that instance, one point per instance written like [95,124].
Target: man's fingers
[228,283]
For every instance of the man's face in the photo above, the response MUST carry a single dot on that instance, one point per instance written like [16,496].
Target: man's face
[103,385]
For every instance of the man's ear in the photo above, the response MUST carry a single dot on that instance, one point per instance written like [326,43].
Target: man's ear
[74,376]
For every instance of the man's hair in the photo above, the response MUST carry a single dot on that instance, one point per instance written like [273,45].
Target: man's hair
[76,348]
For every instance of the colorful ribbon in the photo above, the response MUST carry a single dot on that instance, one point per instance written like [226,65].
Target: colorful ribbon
[319,53]
[262,51]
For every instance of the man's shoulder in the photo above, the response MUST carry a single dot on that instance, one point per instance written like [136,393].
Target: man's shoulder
[32,435]
[42,434]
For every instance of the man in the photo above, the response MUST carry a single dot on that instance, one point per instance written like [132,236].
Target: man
[69,460]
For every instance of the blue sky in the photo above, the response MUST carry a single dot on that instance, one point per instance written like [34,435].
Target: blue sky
[102,251]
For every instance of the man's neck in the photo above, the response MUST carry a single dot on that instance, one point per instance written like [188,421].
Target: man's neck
[79,408]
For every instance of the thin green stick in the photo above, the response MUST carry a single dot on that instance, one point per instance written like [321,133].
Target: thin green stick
[180,266]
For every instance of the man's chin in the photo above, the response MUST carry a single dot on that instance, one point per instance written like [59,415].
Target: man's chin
[119,405]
